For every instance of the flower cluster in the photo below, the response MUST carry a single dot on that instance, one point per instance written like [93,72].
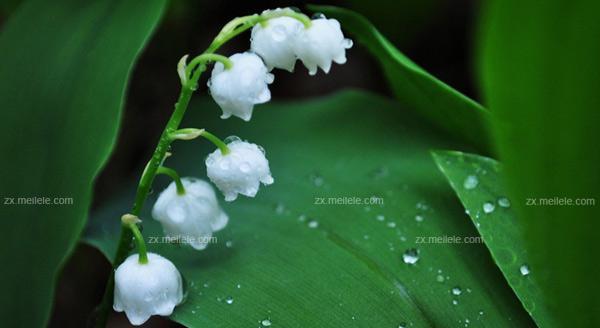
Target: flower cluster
[275,43]
[147,284]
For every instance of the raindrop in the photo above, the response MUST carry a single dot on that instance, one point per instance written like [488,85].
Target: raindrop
[279,208]
[503,202]
[238,286]
[366,237]
[488,207]
[302,218]
[410,256]
[480,312]
[380,217]
[440,278]
[316,179]
[419,218]
[266,323]
[318,16]
[422,206]
[391,224]
[231,139]
[245,167]
[524,270]
[454,302]
[470,182]
[402,325]
[229,244]
[229,300]
[456,291]
[313,224]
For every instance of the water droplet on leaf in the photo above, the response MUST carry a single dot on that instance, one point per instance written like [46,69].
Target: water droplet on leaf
[410,256]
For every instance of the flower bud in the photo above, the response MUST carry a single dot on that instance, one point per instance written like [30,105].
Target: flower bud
[143,290]
[239,88]
[320,44]
[240,171]
[191,217]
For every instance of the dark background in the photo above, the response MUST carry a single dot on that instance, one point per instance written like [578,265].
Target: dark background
[436,34]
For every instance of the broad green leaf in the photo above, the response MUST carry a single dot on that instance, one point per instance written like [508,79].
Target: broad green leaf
[298,261]
[414,87]
[540,72]
[479,183]
[63,70]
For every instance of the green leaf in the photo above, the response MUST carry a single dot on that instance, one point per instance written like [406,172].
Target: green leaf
[478,182]
[540,72]
[297,260]
[418,90]
[64,68]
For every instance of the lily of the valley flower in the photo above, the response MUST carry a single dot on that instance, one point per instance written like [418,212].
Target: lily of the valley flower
[239,88]
[274,42]
[191,217]
[240,171]
[143,290]
[320,44]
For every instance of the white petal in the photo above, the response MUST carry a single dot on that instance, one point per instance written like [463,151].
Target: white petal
[239,88]
[240,171]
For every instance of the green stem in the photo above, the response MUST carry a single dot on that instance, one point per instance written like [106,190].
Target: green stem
[216,141]
[173,175]
[141,245]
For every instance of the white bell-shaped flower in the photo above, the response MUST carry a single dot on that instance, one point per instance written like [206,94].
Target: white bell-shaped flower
[239,88]
[240,171]
[320,44]
[190,218]
[143,290]
[274,42]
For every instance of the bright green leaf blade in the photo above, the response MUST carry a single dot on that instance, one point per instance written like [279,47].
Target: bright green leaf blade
[540,72]
[418,90]
[478,182]
[63,70]
[347,270]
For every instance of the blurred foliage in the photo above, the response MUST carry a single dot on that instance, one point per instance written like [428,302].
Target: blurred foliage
[540,71]
[61,93]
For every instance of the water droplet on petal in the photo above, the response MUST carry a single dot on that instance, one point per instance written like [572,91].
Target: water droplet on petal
[347,43]
[470,182]
[488,207]
[410,256]
[231,139]
[524,269]
[318,16]
[503,202]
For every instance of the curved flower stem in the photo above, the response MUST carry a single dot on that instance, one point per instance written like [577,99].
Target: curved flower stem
[141,245]
[216,141]
[173,175]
